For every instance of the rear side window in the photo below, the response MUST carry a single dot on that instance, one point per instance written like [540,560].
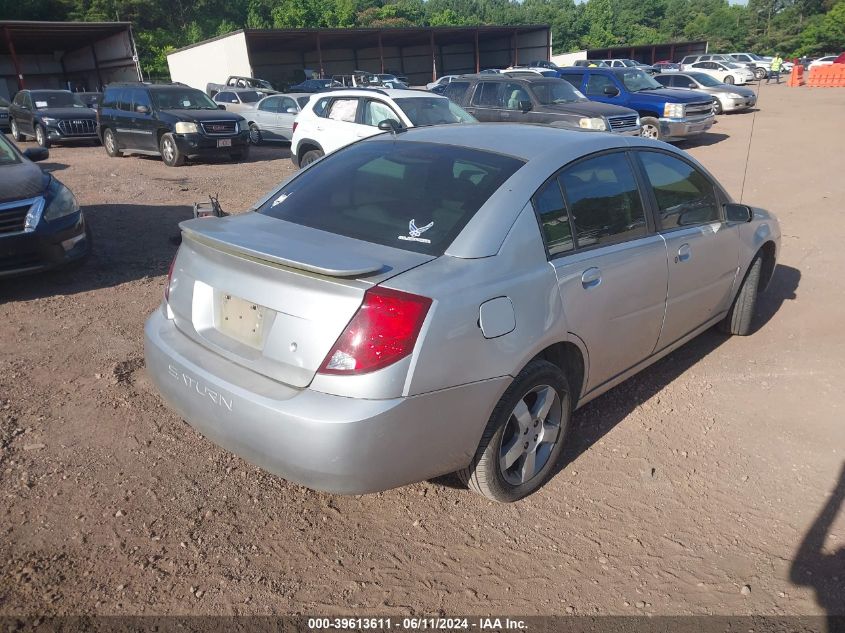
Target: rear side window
[554,219]
[487,94]
[456,90]
[685,197]
[604,200]
[343,110]
[320,106]
[408,195]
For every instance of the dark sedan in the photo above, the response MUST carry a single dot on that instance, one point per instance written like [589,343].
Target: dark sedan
[41,224]
[4,113]
[51,116]
[313,85]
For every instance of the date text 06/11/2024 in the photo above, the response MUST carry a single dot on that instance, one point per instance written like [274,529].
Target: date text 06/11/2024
[417,624]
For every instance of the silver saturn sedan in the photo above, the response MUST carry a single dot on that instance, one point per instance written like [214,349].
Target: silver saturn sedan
[441,299]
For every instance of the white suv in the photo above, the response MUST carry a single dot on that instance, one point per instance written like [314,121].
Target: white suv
[331,120]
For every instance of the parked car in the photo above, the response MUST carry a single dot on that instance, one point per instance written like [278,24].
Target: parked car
[235,81]
[827,60]
[313,85]
[725,72]
[51,116]
[630,63]
[442,81]
[4,113]
[759,65]
[426,303]
[543,63]
[664,114]
[532,98]
[389,80]
[273,117]
[338,118]
[239,99]
[41,224]
[726,98]
[589,63]
[172,121]
[667,66]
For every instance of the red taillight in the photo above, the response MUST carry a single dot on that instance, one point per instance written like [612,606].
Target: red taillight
[169,277]
[294,127]
[383,331]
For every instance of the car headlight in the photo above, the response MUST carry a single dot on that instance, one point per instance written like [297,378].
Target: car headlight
[184,127]
[59,201]
[592,123]
[49,120]
[733,95]
[674,110]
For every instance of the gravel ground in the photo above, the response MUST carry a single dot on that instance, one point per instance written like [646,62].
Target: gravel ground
[686,490]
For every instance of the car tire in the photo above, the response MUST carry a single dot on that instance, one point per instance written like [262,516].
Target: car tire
[760,73]
[310,156]
[254,134]
[515,431]
[41,137]
[717,107]
[739,317]
[650,128]
[110,143]
[729,79]
[16,133]
[170,153]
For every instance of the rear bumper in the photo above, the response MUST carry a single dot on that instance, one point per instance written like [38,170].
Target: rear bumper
[50,246]
[680,128]
[327,442]
[193,145]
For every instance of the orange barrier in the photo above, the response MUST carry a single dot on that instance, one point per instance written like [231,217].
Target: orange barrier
[832,76]
[796,79]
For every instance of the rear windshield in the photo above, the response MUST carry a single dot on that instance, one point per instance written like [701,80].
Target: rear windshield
[408,195]
[433,111]
[250,96]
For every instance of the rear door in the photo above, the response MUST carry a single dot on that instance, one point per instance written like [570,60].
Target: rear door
[338,126]
[703,250]
[610,265]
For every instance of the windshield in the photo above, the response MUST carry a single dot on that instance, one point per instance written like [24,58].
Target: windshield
[424,111]
[3,103]
[630,63]
[755,57]
[556,91]
[55,99]
[705,80]
[636,80]
[8,155]
[730,65]
[185,99]
[250,96]
[403,194]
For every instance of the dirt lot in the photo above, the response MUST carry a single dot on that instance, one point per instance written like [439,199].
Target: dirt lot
[682,486]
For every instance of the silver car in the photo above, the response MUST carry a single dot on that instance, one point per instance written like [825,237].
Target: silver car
[441,299]
[239,100]
[726,98]
[273,117]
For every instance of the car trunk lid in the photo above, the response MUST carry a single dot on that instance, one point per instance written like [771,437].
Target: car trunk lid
[271,295]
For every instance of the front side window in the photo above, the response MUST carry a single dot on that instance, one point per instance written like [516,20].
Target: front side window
[596,85]
[554,219]
[513,96]
[604,200]
[271,104]
[685,197]
[343,110]
[250,96]
[141,98]
[636,80]
[487,94]
[375,112]
[404,194]
[288,104]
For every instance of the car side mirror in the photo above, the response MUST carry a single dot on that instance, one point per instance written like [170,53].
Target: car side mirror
[738,212]
[610,91]
[526,106]
[693,86]
[291,111]
[37,154]
[391,125]
[142,109]
[221,106]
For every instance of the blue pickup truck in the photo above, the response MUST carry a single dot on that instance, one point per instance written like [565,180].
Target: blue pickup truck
[665,114]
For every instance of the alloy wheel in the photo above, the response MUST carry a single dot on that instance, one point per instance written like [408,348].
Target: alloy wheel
[531,433]
[110,142]
[649,131]
[39,135]
[168,150]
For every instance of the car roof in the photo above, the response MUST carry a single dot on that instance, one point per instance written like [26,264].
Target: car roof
[393,93]
[529,75]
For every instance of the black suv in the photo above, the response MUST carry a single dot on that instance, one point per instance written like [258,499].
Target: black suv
[545,100]
[51,116]
[169,120]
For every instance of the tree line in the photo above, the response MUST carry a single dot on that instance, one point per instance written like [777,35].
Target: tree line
[788,27]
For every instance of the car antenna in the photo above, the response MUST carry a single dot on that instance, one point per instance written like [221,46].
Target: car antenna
[750,138]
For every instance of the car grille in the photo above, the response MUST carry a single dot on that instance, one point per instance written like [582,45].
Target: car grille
[622,122]
[20,262]
[699,109]
[219,128]
[13,219]
[77,127]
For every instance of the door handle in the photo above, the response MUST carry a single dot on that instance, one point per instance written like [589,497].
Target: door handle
[591,277]
[506,115]
[684,253]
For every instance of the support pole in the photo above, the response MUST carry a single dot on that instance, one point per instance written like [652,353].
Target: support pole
[477,54]
[380,53]
[514,57]
[433,58]
[97,68]
[15,61]
[320,57]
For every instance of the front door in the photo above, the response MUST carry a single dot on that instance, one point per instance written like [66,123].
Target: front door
[613,284]
[703,250]
[265,117]
[599,85]
[485,104]
[143,121]
[283,126]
